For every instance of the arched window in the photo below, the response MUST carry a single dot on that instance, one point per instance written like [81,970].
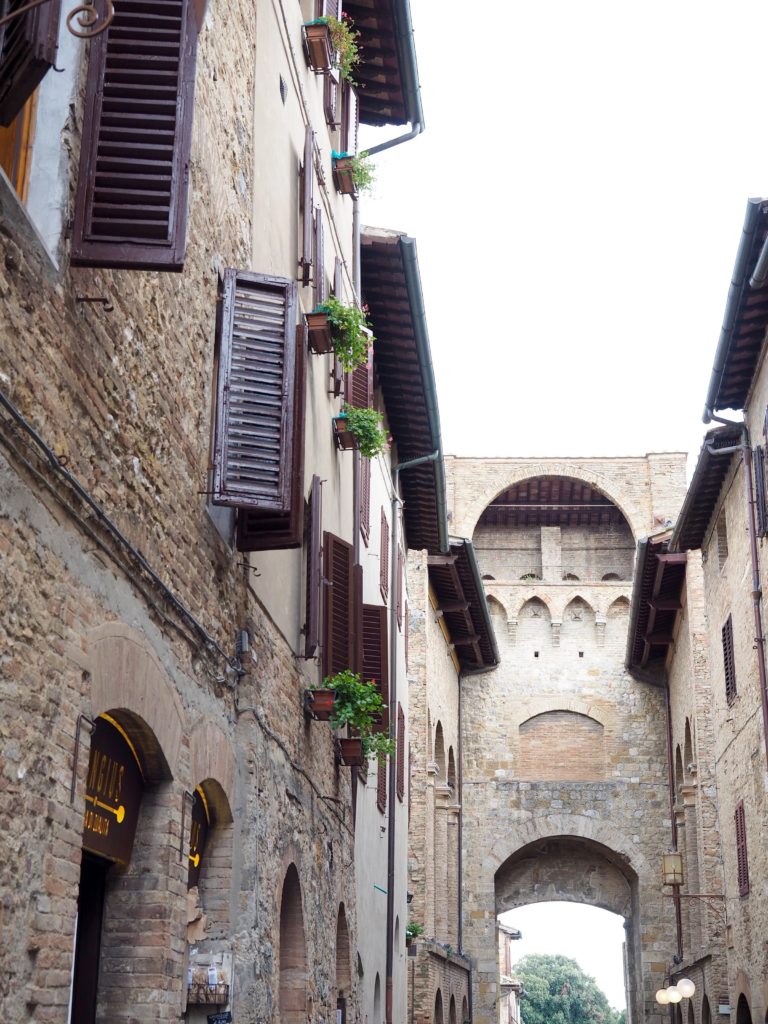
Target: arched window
[610,576]
[292,953]
[343,965]
[377,1000]
[451,769]
[440,751]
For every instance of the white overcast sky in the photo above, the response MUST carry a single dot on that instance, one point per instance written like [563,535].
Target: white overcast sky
[577,200]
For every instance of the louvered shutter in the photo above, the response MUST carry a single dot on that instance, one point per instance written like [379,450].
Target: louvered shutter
[400,588]
[27,51]
[376,654]
[359,387]
[356,639]
[349,118]
[319,257]
[307,183]
[131,204]
[728,661]
[365,498]
[254,451]
[337,376]
[331,98]
[267,530]
[400,752]
[407,633]
[314,567]
[760,498]
[381,784]
[338,653]
[384,556]
[742,865]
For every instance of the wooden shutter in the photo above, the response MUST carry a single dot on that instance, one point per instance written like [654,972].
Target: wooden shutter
[319,257]
[728,661]
[27,51]
[338,653]
[337,375]
[384,556]
[359,386]
[376,654]
[758,459]
[131,204]
[307,183]
[349,118]
[356,628]
[365,498]
[254,450]
[400,588]
[381,784]
[267,530]
[331,98]
[407,633]
[314,537]
[742,865]
[400,752]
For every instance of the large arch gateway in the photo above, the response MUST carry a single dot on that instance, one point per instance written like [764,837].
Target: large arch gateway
[564,772]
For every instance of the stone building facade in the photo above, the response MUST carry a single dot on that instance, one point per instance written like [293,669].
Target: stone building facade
[178,834]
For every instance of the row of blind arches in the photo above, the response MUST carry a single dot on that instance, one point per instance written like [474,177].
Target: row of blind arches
[439,1014]
[743,1013]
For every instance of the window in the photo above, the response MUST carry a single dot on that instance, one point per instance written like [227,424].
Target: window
[131,203]
[16,147]
[728,661]
[258,441]
[27,51]
[338,626]
[400,752]
[721,540]
[359,385]
[307,185]
[400,588]
[758,460]
[384,557]
[381,784]
[314,539]
[365,498]
[742,865]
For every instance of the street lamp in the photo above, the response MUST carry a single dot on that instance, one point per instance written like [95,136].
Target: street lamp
[682,989]
[672,868]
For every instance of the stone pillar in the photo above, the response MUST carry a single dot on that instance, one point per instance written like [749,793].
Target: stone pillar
[551,554]
[453,813]
[443,795]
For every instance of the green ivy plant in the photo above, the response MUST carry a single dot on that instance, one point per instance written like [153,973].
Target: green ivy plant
[368,428]
[358,704]
[363,172]
[413,930]
[350,332]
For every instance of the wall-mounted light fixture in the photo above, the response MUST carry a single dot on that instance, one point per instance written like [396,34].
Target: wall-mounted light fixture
[672,868]
[682,989]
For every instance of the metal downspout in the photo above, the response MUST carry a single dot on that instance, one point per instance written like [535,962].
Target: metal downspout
[392,772]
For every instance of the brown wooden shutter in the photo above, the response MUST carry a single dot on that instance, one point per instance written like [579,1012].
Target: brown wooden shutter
[319,258]
[27,51]
[267,530]
[338,653]
[376,654]
[758,459]
[400,752]
[400,588]
[331,98]
[381,784]
[131,204]
[384,556]
[365,498]
[307,183]
[349,118]
[254,450]
[356,660]
[728,661]
[359,386]
[407,633]
[742,864]
[314,567]
[337,375]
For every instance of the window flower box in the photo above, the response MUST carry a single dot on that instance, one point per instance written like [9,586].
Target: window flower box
[320,53]
[318,704]
[350,751]
[319,332]
[343,436]
[343,175]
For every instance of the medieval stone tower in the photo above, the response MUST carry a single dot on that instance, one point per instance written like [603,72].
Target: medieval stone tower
[565,789]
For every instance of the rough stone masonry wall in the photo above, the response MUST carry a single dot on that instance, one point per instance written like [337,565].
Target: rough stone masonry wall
[617,826]
[124,400]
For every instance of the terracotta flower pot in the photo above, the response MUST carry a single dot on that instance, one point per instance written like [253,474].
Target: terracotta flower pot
[351,751]
[319,331]
[344,438]
[319,47]
[342,176]
[319,704]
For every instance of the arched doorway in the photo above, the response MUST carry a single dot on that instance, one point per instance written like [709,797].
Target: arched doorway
[343,967]
[743,1013]
[293,952]
[438,1014]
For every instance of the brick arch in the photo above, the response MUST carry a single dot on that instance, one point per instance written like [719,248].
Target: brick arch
[575,596]
[530,599]
[495,601]
[212,758]
[504,478]
[561,746]
[127,674]
[541,705]
[292,966]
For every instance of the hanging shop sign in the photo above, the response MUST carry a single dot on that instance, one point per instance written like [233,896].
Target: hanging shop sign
[220,1018]
[198,833]
[112,793]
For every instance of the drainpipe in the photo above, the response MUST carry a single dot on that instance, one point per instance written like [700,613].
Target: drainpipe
[757,593]
[392,773]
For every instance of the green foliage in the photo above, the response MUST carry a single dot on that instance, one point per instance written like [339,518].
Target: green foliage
[363,172]
[413,930]
[557,991]
[368,428]
[349,327]
[344,38]
[358,704]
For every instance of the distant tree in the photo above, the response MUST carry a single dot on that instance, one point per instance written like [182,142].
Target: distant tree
[557,991]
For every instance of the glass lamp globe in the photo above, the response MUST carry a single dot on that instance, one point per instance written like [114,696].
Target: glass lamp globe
[673,994]
[661,997]
[685,987]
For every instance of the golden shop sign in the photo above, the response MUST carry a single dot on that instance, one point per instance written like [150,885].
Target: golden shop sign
[112,793]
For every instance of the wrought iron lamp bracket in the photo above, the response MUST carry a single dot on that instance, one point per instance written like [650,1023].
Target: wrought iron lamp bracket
[82,21]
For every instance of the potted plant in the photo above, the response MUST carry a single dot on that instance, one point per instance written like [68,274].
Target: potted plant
[332,326]
[318,703]
[333,43]
[358,705]
[362,429]
[353,174]
[412,931]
